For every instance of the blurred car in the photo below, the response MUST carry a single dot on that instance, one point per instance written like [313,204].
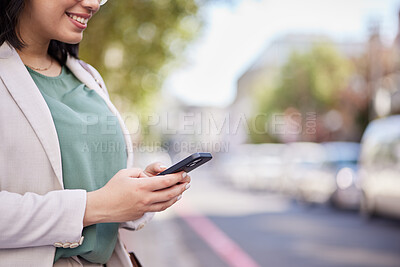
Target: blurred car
[255,166]
[307,177]
[380,167]
[342,159]
[234,168]
[268,166]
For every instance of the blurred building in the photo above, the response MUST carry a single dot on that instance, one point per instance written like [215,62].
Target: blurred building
[268,65]
[186,129]
[373,90]
[386,87]
[373,87]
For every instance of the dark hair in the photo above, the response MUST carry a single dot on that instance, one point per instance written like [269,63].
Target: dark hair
[10,11]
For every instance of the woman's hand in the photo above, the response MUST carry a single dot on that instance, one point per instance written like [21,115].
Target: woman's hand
[130,194]
[154,169]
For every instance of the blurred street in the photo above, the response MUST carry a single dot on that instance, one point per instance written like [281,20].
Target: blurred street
[300,109]
[260,229]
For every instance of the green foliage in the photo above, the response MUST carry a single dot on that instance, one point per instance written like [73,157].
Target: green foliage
[131,43]
[308,82]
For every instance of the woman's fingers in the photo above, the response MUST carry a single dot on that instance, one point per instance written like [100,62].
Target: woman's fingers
[169,193]
[154,169]
[124,198]
[187,179]
[161,206]
[164,181]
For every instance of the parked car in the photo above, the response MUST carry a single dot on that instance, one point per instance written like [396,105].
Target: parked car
[268,166]
[380,167]
[342,159]
[307,176]
[254,166]
[234,168]
[318,173]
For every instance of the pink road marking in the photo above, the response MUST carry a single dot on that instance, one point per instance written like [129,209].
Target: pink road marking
[219,242]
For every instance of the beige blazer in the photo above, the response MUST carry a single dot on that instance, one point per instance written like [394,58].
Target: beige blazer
[36,213]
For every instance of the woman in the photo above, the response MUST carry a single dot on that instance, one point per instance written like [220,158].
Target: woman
[62,200]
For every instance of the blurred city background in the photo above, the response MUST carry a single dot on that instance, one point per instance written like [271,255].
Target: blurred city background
[296,100]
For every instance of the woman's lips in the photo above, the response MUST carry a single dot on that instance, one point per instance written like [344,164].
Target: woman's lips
[79,20]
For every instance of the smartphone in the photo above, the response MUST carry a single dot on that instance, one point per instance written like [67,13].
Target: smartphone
[188,164]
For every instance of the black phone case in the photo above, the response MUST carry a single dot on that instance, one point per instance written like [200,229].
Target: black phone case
[188,164]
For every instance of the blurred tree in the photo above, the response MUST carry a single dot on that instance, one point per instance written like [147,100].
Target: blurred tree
[308,83]
[135,44]
[131,43]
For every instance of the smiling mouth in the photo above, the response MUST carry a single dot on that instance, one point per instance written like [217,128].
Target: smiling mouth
[81,20]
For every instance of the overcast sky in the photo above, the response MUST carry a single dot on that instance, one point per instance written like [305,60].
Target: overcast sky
[234,36]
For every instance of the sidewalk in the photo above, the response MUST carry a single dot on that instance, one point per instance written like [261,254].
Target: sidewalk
[160,243]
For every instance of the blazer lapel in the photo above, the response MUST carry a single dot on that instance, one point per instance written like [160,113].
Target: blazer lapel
[83,75]
[28,97]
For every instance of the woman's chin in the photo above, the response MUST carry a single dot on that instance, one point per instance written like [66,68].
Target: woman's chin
[72,39]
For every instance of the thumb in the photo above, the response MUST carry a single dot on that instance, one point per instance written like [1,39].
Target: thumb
[154,169]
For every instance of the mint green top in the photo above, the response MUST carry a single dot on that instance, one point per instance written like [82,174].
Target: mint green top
[92,151]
